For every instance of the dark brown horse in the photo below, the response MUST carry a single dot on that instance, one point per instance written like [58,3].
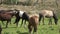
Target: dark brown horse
[6,15]
[33,22]
[48,14]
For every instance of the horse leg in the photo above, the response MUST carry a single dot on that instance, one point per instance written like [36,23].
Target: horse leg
[35,29]
[3,23]
[40,19]
[7,24]
[25,23]
[17,20]
[50,21]
[10,21]
[43,20]
[22,22]
[30,29]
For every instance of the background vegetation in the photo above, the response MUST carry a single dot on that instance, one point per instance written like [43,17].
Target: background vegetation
[31,5]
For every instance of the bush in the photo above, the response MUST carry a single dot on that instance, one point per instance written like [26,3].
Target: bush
[10,2]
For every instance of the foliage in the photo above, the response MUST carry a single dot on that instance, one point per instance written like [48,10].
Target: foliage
[10,2]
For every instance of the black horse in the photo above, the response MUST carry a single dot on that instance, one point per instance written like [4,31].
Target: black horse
[49,14]
[21,15]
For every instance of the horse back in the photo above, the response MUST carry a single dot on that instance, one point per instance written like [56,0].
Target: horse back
[46,13]
[5,16]
[33,20]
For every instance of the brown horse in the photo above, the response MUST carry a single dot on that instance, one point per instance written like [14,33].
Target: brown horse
[6,15]
[33,22]
[49,14]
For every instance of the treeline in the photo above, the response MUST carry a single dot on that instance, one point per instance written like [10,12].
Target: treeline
[8,1]
[15,2]
[27,2]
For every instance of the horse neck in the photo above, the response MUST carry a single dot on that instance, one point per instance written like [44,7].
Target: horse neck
[55,17]
[17,14]
[26,15]
[56,20]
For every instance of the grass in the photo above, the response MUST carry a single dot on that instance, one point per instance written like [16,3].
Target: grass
[42,29]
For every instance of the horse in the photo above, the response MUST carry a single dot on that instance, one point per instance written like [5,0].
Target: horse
[48,14]
[6,15]
[33,23]
[21,15]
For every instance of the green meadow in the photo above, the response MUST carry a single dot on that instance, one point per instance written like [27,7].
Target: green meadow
[29,6]
[42,29]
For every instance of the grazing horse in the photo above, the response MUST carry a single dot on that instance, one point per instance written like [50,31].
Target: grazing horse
[33,22]
[48,14]
[6,15]
[21,15]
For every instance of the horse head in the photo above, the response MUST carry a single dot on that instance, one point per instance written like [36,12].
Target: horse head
[15,11]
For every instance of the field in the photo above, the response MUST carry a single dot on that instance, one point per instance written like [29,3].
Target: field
[42,29]
[35,7]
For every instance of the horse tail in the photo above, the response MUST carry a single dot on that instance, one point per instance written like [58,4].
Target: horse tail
[55,18]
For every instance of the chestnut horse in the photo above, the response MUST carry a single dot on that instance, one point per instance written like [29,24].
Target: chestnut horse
[33,22]
[6,15]
[48,14]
